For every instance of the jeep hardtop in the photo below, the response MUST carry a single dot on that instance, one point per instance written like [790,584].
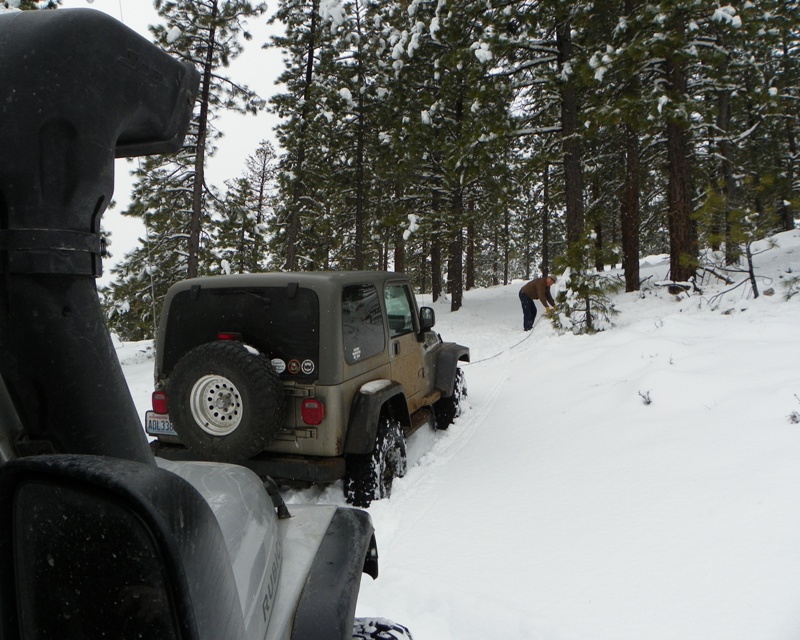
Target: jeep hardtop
[305,377]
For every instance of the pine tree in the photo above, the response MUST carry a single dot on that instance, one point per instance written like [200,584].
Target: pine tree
[162,199]
[240,229]
[206,33]
[464,112]
[474,142]
[542,60]
[170,191]
[584,303]
[302,132]
[617,58]
[772,148]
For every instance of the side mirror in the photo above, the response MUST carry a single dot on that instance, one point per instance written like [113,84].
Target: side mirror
[427,318]
[92,547]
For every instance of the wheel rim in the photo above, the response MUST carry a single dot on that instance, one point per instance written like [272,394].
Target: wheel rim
[216,405]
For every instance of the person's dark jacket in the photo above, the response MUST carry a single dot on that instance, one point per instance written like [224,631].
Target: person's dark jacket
[538,290]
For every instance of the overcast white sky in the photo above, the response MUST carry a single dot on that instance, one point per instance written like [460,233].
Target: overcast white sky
[256,68]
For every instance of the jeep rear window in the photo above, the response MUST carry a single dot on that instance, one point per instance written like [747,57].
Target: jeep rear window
[281,322]
[363,333]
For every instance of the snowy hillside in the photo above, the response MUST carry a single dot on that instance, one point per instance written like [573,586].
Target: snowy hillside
[641,483]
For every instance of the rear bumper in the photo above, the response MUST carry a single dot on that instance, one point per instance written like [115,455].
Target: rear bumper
[301,469]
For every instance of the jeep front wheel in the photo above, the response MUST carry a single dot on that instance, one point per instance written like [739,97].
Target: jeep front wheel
[379,629]
[369,476]
[226,402]
[448,409]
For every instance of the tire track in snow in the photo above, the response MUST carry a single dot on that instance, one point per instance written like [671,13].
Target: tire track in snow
[430,450]
[437,449]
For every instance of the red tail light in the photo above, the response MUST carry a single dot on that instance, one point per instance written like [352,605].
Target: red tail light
[160,402]
[229,335]
[312,411]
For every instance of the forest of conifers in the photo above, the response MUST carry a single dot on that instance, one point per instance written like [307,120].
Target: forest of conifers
[470,142]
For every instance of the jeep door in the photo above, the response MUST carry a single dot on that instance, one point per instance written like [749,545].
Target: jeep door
[405,350]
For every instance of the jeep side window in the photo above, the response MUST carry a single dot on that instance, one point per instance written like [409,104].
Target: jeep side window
[362,322]
[399,309]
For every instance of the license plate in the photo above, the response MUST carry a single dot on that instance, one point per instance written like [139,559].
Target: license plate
[158,424]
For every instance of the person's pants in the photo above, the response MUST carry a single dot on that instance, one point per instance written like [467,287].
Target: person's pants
[528,311]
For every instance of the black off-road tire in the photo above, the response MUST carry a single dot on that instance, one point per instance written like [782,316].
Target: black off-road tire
[369,476]
[448,409]
[225,402]
[379,629]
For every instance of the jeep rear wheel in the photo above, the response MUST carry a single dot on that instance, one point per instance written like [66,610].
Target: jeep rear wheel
[226,403]
[379,629]
[370,476]
[448,409]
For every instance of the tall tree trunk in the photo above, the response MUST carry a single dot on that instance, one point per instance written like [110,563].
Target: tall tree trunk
[242,241]
[261,204]
[506,247]
[679,192]
[599,263]
[679,203]
[198,186]
[455,269]
[571,141]
[455,265]
[422,273]
[436,266]
[470,283]
[358,258]
[597,224]
[495,257]
[545,266]
[399,255]
[361,188]
[298,192]
[787,216]
[630,215]
[728,184]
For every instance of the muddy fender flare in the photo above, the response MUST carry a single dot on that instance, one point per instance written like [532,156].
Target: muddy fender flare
[451,354]
[365,413]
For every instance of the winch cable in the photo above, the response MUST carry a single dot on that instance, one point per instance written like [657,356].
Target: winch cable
[500,353]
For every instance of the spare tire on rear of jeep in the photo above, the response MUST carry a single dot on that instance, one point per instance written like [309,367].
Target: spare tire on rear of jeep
[225,401]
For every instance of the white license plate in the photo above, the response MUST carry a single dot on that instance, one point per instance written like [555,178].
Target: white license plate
[157,424]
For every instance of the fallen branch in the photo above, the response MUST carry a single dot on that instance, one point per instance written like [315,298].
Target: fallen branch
[719,276]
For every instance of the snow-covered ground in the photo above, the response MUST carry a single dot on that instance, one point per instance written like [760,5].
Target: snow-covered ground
[562,505]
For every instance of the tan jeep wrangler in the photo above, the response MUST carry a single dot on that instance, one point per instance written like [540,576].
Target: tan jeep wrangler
[304,377]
